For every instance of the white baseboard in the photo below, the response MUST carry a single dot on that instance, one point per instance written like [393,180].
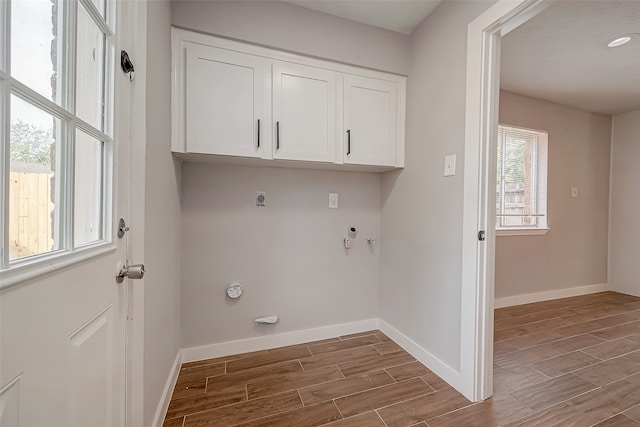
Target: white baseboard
[549,295]
[163,405]
[210,351]
[444,371]
[191,354]
[627,289]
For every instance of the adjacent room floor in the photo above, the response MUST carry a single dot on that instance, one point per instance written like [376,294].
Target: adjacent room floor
[568,362]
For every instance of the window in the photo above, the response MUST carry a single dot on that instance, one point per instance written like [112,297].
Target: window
[56,97]
[521,181]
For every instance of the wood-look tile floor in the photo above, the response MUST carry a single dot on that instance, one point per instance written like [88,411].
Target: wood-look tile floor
[568,362]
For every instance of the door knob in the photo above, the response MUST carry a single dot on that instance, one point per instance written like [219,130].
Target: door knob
[131,272]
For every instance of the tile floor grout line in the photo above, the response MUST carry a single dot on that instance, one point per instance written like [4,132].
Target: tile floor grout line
[520,418]
[606,419]
[341,373]
[406,400]
[389,366]
[376,388]
[338,408]
[298,388]
[540,372]
[427,383]
[539,411]
[451,412]
[278,412]
[392,377]
[337,351]
[380,416]
[620,355]
[300,397]
[344,378]
[597,387]
[599,358]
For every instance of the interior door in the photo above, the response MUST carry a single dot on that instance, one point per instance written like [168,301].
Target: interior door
[63,352]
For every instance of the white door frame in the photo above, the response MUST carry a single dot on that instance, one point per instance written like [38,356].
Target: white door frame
[481,123]
[136,46]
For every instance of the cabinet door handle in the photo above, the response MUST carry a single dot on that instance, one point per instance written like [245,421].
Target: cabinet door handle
[348,141]
[277,135]
[258,133]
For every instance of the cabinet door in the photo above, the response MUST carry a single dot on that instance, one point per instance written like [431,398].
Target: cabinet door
[304,113]
[226,102]
[370,121]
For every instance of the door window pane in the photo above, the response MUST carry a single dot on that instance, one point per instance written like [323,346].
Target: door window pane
[36,48]
[88,189]
[33,194]
[56,202]
[90,70]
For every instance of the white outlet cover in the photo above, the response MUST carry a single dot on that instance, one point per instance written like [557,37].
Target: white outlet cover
[333,200]
[450,165]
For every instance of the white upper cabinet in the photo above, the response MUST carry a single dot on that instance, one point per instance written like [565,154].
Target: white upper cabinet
[226,102]
[304,113]
[238,103]
[371,110]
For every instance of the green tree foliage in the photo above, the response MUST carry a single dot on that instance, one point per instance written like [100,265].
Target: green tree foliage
[30,144]
[514,164]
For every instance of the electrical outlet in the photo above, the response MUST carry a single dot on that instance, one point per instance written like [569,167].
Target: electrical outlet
[261,198]
[574,192]
[333,200]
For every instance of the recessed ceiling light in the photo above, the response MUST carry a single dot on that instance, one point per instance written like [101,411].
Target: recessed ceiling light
[621,40]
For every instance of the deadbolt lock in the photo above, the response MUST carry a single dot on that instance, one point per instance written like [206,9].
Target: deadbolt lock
[122,228]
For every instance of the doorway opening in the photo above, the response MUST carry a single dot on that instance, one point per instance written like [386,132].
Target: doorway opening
[483,97]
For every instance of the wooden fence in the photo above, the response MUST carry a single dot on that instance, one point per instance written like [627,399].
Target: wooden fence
[30,214]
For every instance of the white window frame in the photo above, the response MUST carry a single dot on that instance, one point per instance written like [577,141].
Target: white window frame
[17,271]
[541,169]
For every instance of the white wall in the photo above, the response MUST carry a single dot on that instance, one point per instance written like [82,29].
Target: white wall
[162,215]
[296,29]
[289,255]
[579,146]
[625,204]
[422,210]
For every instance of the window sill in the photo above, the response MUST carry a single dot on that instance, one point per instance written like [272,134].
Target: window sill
[27,271]
[521,231]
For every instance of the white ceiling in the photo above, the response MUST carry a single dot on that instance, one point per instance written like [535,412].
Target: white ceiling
[401,16]
[561,55]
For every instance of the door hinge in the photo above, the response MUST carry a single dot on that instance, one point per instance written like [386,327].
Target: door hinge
[481,235]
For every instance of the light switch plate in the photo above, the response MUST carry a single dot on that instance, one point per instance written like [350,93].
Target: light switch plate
[333,200]
[574,192]
[450,165]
